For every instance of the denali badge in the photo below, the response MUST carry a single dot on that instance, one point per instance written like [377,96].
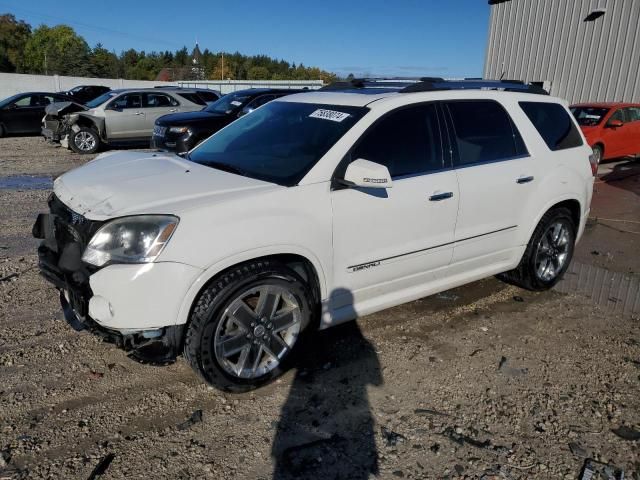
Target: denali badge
[364,266]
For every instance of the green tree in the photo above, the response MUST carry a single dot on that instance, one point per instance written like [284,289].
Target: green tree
[57,50]
[14,35]
[258,73]
[104,64]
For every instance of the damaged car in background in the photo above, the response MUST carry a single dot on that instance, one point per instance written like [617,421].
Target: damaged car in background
[118,117]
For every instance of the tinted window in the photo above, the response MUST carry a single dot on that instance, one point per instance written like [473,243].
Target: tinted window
[483,132]
[154,100]
[261,100]
[28,101]
[633,114]
[406,141]
[553,124]
[279,142]
[129,100]
[101,99]
[208,96]
[193,98]
[618,115]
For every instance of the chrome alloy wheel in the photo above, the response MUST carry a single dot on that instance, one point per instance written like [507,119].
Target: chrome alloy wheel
[257,329]
[552,251]
[85,141]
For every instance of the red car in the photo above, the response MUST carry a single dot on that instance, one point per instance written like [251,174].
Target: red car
[611,129]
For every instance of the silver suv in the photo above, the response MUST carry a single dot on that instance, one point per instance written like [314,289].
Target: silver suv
[116,117]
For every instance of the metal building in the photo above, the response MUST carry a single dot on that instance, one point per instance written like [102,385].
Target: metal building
[581,50]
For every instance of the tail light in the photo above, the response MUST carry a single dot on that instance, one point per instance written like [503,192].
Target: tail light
[594,164]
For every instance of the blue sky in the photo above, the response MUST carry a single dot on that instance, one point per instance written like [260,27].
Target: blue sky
[385,38]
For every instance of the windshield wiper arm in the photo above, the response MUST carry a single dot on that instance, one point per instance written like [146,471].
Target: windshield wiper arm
[225,167]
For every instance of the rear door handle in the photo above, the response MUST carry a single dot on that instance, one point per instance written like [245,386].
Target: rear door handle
[436,197]
[525,179]
[139,113]
[173,110]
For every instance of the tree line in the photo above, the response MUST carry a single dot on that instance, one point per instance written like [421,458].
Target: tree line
[60,50]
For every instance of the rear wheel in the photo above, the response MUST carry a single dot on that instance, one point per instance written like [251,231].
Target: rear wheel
[246,324]
[548,253]
[2,131]
[598,152]
[85,140]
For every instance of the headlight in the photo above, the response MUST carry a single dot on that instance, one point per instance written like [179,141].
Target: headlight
[178,129]
[136,239]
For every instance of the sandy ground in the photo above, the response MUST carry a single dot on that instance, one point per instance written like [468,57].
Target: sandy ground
[485,381]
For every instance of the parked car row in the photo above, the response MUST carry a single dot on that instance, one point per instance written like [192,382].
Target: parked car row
[22,114]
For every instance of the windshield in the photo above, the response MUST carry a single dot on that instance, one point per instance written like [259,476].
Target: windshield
[229,103]
[589,116]
[96,102]
[279,142]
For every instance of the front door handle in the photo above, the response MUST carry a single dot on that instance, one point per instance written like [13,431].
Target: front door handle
[173,110]
[525,179]
[139,113]
[436,197]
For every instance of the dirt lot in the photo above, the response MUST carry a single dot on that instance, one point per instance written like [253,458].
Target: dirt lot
[485,381]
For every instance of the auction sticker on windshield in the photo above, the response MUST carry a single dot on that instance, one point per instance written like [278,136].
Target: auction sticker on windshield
[329,115]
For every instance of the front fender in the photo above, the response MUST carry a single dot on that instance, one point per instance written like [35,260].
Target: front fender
[213,270]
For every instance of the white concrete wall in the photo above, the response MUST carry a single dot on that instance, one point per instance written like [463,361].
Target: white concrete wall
[12,83]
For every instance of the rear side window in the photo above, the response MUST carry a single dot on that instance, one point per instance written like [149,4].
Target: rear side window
[406,141]
[193,98]
[208,96]
[483,132]
[553,124]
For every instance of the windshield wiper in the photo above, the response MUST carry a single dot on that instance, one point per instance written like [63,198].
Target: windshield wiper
[225,167]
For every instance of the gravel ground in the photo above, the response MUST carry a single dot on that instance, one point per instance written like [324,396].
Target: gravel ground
[485,381]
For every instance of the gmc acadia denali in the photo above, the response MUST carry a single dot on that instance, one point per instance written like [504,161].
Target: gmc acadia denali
[313,210]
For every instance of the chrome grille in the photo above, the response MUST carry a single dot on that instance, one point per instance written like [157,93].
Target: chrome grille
[159,130]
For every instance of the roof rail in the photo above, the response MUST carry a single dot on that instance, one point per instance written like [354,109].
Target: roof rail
[381,83]
[505,85]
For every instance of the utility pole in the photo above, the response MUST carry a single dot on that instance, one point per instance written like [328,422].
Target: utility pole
[45,64]
[222,72]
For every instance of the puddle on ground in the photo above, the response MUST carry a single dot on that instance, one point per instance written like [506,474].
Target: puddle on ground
[25,182]
[617,292]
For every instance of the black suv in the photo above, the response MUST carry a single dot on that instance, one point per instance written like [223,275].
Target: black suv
[180,132]
[86,93]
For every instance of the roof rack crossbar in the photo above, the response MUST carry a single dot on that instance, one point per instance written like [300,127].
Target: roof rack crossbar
[506,85]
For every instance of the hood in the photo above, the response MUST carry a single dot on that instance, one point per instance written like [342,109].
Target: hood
[190,118]
[126,183]
[62,108]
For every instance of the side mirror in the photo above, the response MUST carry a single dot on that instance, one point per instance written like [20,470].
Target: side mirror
[615,123]
[366,174]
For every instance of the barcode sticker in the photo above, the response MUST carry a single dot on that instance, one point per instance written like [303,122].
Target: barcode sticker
[329,115]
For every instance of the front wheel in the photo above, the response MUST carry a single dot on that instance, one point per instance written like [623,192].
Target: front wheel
[85,140]
[246,324]
[548,252]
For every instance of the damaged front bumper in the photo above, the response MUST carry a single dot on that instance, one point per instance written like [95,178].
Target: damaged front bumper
[110,302]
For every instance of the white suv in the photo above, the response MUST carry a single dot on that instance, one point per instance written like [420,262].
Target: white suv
[313,210]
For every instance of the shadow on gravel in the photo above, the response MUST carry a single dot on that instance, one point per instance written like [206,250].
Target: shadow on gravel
[326,429]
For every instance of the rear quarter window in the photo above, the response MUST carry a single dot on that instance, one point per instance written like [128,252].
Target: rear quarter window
[193,98]
[553,124]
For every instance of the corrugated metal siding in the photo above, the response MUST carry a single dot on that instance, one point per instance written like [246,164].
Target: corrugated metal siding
[548,40]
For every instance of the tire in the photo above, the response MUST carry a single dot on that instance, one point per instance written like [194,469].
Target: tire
[230,317]
[598,152]
[2,131]
[84,141]
[533,273]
